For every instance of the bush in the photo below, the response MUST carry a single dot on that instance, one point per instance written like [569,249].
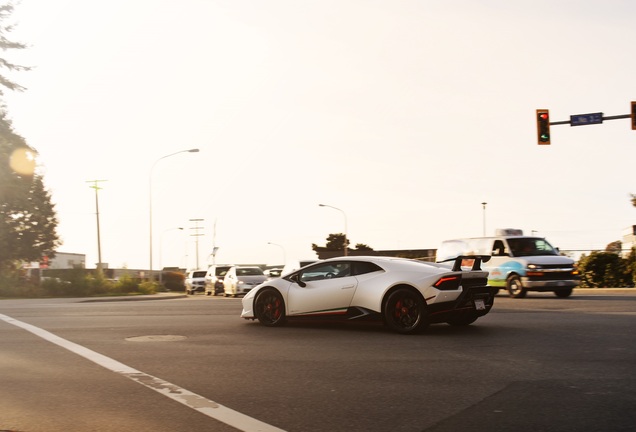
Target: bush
[606,269]
[16,285]
[173,281]
[148,287]
[74,283]
[126,284]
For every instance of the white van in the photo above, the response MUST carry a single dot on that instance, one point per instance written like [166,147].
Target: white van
[519,263]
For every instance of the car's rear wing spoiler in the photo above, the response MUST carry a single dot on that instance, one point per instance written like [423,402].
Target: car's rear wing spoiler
[476,265]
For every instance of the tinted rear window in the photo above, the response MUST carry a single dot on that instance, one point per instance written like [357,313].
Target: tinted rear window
[364,267]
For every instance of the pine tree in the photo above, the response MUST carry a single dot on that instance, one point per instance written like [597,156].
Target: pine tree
[28,221]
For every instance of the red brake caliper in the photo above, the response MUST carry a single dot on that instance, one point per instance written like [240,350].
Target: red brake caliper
[399,309]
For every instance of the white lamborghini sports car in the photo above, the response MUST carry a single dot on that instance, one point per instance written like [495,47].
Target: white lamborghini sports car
[405,294]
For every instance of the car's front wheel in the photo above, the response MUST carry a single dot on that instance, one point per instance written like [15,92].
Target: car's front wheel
[269,308]
[405,311]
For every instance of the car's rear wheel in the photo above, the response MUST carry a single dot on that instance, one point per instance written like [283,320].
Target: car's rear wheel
[515,289]
[269,308]
[405,311]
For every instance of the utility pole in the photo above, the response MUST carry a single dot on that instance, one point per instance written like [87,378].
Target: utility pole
[196,235]
[99,243]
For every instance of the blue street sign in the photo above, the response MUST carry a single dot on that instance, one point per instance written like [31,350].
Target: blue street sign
[586,119]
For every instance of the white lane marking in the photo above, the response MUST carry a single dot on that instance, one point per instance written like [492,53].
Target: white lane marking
[174,392]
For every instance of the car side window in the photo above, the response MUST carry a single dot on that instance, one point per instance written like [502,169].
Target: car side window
[330,270]
[364,267]
[499,249]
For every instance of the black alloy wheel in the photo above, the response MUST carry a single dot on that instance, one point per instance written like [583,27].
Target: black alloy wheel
[269,308]
[405,311]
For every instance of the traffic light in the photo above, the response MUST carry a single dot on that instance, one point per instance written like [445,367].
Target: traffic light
[543,126]
[633,112]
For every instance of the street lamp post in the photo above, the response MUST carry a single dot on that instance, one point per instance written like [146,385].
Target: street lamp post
[283,249]
[345,221]
[150,276]
[484,227]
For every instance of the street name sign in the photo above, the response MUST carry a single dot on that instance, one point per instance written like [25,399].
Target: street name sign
[586,119]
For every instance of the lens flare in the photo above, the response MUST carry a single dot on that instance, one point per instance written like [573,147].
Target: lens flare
[22,161]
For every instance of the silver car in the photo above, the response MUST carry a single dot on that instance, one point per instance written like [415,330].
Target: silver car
[239,280]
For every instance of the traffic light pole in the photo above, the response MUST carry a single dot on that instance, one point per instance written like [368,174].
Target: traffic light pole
[544,123]
[622,116]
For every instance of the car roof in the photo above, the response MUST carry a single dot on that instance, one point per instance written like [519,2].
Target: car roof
[380,259]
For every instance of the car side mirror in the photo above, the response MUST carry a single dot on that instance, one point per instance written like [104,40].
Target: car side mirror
[296,278]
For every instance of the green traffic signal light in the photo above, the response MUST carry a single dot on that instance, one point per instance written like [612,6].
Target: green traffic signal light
[543,126]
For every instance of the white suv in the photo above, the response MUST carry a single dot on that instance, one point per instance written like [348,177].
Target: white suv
[214,279]
[195,281]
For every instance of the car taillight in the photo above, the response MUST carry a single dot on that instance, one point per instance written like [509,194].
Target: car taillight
[448,283]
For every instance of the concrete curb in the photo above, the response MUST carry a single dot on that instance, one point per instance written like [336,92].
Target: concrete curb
[159,296]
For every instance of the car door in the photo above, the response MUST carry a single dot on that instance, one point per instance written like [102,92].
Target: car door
[322,289]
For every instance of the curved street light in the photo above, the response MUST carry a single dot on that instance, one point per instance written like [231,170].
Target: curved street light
[345,220]
[195,150]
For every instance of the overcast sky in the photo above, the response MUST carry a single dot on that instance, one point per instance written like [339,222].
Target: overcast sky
[404,114]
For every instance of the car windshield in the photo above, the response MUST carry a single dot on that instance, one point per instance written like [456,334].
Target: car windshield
[199,274]
[530,247]
[249,272]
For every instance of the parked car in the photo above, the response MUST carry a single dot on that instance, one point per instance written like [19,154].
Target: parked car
[195,281]
[214,279]
[273,272]
[407,295]
[239,280]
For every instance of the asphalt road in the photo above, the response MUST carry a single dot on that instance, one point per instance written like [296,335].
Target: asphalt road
[191,364]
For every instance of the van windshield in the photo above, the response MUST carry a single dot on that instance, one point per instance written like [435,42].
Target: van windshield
[530,247]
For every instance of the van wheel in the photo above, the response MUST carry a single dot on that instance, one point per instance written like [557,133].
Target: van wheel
[515,289]
[563,293]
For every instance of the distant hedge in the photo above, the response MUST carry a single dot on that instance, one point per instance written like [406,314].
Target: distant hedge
[608,270]
[75,283]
